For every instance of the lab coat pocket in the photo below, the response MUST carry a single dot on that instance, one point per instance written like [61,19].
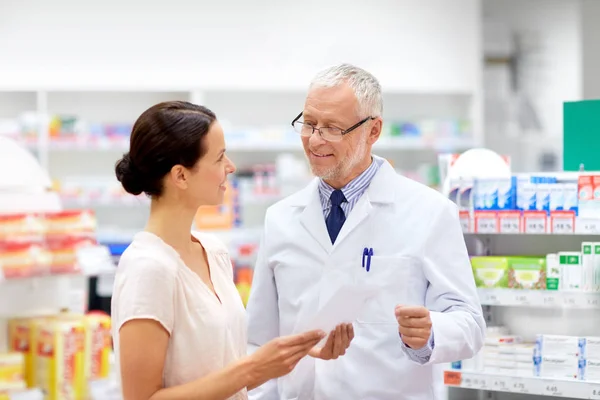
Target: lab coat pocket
[391,276]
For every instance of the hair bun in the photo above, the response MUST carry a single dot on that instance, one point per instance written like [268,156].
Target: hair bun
[129,176]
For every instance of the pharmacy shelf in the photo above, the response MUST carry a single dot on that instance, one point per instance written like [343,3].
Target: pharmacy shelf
[525,385]
[517,223]
[539,298]
[30,394]
[42,295]
[399,144]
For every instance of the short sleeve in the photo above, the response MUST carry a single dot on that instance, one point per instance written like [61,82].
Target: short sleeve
[145,289]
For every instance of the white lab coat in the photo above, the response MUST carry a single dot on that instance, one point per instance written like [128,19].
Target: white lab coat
[419,257]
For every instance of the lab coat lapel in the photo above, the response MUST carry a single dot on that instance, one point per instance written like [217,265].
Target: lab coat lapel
[377,192]
[360,211]
[312,217]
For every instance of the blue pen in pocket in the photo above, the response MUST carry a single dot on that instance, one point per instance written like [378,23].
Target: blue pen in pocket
[367,254]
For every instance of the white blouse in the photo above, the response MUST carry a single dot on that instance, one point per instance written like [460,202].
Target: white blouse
[152,282]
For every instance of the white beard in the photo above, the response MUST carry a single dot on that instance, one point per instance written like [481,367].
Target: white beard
[344,167]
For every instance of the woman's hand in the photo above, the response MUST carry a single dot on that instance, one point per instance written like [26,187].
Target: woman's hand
[336,344]
[281,355]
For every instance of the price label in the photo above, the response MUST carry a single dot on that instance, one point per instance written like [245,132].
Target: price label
[467,382]
[492,298]
[595,392]
[553,389]
[535,225]
[549,300]
[519,386]
[521,299]
[588,226]
[563,225]
[510,224]
[500,384]
[487,225]
[464,222]
[593,302]
[569,301]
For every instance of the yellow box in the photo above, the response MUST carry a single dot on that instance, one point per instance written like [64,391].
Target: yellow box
[12,366]
[99,345]
[20,340]
[60,358]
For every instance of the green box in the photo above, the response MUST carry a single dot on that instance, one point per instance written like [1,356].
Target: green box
[572,270]
[581,135]
[527,273]
[553,272]
[490,272]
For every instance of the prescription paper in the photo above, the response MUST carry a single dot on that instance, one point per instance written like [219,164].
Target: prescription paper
[344,306]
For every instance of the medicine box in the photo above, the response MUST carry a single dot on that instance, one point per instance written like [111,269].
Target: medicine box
[571,269]
[490,272]
[527,273]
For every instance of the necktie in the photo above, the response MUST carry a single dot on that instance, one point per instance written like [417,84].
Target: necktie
[336,217]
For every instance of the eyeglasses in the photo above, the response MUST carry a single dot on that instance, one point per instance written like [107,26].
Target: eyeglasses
[329,133]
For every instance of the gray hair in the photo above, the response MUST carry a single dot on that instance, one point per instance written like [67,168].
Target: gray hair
[365,86]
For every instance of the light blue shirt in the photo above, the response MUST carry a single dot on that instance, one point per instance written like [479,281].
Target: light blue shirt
[352,192]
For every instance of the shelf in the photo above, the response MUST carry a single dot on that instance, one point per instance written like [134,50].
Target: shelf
[397,144]
[527,385]
[31,394]
[539,298]
[527,223]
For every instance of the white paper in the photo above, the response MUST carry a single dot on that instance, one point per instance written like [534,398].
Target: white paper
[345,306]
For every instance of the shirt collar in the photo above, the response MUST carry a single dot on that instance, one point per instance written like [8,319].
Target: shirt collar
[355,187]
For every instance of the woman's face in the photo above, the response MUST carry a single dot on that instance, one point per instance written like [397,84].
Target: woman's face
[209,176]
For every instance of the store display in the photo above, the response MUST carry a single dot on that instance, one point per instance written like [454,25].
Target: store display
[36,244]
[548,356]
[62,353]
[570,271]
[529,203]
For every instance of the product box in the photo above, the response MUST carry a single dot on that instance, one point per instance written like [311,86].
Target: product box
[527,273]
[572,273]
[490,272]
[12,371]
[98,345]
[557,345]
[495,194]
[20,338]
[596,263]
[553,272]
[589,370]
[60,357]
[558,367]
[587,266]
[589,348]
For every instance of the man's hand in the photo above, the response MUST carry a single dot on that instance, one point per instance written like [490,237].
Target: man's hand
[414,325]
[336,344]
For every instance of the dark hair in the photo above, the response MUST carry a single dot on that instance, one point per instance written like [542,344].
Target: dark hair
[165,135]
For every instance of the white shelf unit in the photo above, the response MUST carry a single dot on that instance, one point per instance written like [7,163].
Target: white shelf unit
[523,387]
[527,313]
[268,111]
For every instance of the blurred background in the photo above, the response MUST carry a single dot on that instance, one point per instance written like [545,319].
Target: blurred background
[456,74]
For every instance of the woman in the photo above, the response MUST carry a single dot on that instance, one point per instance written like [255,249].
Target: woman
[179,324]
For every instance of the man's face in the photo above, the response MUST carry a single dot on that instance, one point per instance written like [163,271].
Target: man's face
[336,162]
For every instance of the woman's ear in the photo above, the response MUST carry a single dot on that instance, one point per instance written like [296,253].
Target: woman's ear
[179,176]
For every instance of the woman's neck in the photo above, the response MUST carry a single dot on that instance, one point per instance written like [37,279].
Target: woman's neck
[172,223]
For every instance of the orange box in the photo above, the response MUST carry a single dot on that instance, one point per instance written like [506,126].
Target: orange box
[63,253]
[21,227]
[23,259]
[70,223]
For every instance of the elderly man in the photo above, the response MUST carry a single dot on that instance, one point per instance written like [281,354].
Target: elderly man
[359,222]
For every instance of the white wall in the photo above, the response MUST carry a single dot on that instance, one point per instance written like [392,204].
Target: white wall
[416,45]
[590,12]
[554,74]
